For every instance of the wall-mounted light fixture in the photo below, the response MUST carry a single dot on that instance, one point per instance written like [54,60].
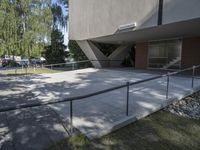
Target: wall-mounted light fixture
[127,26]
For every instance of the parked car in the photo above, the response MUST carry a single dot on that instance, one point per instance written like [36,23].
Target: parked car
[9,63]
[0,62]
[24,62]
[36,62]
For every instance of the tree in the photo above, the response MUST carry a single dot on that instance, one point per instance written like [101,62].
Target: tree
[8,27]
[25,26]
[55,53]
[35,25]
[59,17]
[75,51]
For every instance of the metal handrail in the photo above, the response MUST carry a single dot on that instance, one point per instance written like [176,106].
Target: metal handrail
[67,63]
[127,85]
[108,60]
[43,66]
[77,98]
[49,65]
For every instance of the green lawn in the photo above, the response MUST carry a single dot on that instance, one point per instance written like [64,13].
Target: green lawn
[160,131]
[30,71]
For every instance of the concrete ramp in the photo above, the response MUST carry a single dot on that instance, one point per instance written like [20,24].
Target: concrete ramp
[94,116]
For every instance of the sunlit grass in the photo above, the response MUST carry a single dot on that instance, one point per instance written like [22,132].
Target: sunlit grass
[161,130]
[77,142]
[30,71]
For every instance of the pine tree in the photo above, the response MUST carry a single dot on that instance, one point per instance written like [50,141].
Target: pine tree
[55,53]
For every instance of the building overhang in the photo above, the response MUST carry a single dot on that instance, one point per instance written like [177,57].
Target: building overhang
[189,28]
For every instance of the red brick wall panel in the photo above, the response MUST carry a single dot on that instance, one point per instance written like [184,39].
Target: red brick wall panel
[141,55]
[190,52]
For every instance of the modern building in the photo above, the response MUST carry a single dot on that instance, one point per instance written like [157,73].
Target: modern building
[161,34]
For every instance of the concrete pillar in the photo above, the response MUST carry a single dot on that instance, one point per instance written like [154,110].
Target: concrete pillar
[118,55]
[99,60]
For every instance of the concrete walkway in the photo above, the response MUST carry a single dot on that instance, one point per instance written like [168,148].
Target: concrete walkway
[36,128]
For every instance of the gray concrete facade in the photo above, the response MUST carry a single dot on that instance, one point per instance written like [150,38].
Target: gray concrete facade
[93,53]
[117,56]
[98,59]
[101,22]
[180,10]
[91,19]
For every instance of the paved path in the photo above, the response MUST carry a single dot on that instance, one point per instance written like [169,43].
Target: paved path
[36,128]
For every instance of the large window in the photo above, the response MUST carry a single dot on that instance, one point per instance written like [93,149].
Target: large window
[165,54]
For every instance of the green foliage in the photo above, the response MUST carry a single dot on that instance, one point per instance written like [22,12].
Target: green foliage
[30,71]
[59,18]
[160,131]
[79,141]
[26,25]
[75,51]
[55,53]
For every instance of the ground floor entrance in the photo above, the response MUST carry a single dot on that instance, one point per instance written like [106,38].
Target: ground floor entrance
[165,54]
[168,54]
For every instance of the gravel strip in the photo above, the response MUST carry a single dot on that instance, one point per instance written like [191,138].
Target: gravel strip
[187,107]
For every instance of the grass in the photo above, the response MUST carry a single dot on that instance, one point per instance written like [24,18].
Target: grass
[160,131]
[30,71]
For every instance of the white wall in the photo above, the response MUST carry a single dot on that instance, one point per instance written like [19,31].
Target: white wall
[96,18]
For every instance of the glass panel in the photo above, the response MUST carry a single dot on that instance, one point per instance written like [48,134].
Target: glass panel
[165,54]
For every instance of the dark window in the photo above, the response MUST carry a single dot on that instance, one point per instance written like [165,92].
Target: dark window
[165,54]
[160,12]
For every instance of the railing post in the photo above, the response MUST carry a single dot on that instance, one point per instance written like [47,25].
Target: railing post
[71,116]
[73,66]
[26,70]
[193,74]
[51,67]
[127,99]
[34,67]
[167,92]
